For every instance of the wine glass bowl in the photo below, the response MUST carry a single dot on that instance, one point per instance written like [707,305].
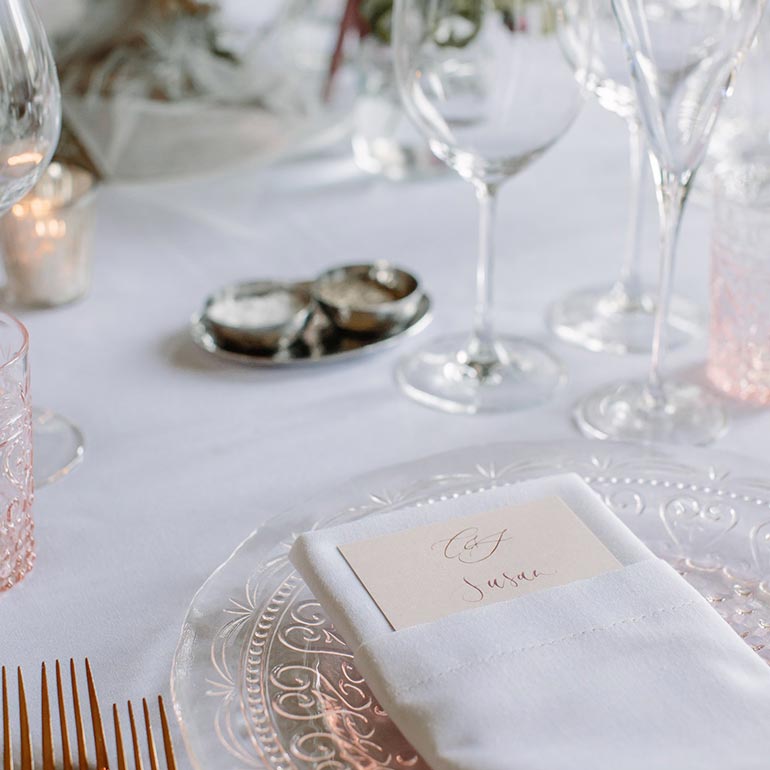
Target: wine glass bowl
[29,101]
[683,57]
[603,68]
[488,85]
[483,112]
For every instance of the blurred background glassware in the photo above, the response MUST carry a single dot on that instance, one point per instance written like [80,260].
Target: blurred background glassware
[683,58]
[384,140]
[29,132]
[618,318]
[739,341]
[17,542]
[488,84]
[303,38]
[742,133]
[46,239]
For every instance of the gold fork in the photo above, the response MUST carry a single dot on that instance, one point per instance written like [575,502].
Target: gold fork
[100,745]
[25,734]
[168,747]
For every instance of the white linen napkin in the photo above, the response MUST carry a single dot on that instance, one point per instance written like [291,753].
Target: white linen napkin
[628,670]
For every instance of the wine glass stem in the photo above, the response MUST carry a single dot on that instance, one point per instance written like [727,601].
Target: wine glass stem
[630,283]
[482,348]
[671,194]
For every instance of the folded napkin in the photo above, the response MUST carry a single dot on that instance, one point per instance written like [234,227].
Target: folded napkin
[628,670]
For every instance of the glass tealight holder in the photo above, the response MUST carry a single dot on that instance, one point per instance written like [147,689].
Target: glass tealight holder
[46,239]
[739,340]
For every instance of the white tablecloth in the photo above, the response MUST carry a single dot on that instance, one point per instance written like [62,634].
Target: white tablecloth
[186,455]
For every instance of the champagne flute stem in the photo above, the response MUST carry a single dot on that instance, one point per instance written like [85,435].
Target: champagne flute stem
[671,194]
[630,284]
[482,348]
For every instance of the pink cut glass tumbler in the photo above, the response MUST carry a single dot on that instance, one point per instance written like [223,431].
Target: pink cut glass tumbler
[739,340]
[16,487]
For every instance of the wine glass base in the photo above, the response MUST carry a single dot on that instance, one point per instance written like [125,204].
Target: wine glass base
[440,375]
[626,412]
[609,320]
[58,446]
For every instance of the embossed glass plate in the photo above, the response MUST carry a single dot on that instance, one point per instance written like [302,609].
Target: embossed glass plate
[261,680]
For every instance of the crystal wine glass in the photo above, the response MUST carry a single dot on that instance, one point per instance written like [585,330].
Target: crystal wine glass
[618,318]
[489,86]
[30,121]
[683,56]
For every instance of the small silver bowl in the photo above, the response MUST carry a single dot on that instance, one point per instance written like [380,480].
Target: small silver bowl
[368,299]
[261,315]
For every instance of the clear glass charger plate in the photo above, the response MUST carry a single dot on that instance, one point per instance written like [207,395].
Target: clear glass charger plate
[261,680]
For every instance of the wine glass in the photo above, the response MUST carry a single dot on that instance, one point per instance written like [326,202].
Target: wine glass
[489,86]
[683,56]
[30,122]
[618,318]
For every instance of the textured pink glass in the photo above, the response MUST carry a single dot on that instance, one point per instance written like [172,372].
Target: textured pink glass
[739,344]
[16,487]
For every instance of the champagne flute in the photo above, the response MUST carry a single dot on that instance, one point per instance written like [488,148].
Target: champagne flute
[618,318]
[683,56]
[487,83]
[30,121]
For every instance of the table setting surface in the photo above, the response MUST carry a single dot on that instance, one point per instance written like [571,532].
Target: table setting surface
[188,454]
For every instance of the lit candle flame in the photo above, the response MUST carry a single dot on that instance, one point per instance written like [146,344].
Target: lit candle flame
[25,157]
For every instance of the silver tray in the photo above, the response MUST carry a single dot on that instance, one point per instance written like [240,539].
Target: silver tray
[261,679]
[318,344]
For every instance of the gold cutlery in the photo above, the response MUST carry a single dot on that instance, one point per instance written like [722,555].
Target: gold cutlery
[168,748]
[102,759]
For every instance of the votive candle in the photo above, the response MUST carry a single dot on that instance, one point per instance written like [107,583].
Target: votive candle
[46,239]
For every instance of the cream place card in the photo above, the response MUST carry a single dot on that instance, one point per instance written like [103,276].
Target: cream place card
[423,574]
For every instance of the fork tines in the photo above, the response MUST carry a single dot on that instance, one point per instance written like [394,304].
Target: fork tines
[168,747]
[25,732]
[48,752]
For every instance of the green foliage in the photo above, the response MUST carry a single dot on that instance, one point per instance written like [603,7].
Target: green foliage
[458,27]
[378,15]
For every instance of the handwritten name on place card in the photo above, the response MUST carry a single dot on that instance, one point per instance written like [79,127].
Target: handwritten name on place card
[423,574]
